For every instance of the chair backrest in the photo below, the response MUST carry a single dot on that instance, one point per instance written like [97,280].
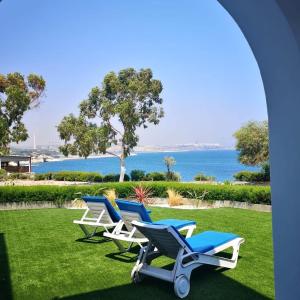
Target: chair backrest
[97,204]
[133,211]
[134,207]
[166,239]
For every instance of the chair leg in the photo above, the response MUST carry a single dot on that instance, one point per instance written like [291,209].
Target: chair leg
[85,231]
[119,245]
[190,231]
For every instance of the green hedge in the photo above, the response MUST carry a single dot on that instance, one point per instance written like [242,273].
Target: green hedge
[70,176]
[251,176]
[79,176]
[251,194]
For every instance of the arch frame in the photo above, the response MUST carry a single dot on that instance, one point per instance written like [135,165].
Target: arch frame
[272,29]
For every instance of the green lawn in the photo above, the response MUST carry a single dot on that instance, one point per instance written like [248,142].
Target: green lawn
[43,257]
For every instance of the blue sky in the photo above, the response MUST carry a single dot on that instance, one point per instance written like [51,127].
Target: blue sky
[211,80]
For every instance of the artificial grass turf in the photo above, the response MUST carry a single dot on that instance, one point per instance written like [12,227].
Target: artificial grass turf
[43,257]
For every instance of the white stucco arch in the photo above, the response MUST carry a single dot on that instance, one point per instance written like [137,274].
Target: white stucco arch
[272,29]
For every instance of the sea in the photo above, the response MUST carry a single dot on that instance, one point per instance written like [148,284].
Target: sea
[222,164]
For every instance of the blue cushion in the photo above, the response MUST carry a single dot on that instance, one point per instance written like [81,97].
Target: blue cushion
[112,212]
[134,207]
[209,240]
[175,223]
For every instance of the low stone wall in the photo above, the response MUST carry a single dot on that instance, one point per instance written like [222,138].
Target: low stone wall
[33,205]
[162,202]
[204,204]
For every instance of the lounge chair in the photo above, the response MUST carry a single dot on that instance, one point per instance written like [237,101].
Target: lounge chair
[189,253]
[99,213]
[130,211]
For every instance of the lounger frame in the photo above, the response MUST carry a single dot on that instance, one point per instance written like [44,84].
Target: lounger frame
[185,260]
[132,234]
[101,218]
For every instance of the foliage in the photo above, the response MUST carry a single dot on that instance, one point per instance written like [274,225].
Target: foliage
[169,162]
[265,169]
[142,194]
[78,202]
[252,176]
[155,176]
[22,176]
[111,195]
[77,176]
[250,194]
[174,198]
[17,95]
[137,175]
[70,176]
[262,176]
[3,174]
[131,98]
[253,143]
[170,175]
[173,176]
[114,177]
[203,177]
[198,196]
[43,176]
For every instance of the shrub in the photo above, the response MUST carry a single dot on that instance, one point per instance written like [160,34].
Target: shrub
[250,194]
[155,176]
[114,177]
[137,175]
[70,176]
[43,176]
[24,176]
[173,176]
[174,198]
[111,195]
[203,177]
[265,169]
[3,174]
[250,176]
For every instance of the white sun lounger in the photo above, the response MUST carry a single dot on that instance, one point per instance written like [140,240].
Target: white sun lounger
[99,213]
[189,253]
[131,211]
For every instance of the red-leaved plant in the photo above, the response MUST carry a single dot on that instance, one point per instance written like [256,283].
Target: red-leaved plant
[142,194]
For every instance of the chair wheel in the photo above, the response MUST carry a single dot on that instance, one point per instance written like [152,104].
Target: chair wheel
[136,277]
[181,286]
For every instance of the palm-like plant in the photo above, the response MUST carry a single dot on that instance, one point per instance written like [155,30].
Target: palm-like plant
[142,194]
[169,162]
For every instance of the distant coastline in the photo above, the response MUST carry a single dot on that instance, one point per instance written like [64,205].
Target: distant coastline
[42,159]
[51,153]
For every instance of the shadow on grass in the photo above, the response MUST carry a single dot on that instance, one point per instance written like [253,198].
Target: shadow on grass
[206,283]
[97,238]
[5,283]
[129,256]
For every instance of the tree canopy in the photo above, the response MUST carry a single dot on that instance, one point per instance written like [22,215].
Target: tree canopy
[111,115]
[17,95]
[253,143]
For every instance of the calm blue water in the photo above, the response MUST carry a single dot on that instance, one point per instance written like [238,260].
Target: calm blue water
[219,163]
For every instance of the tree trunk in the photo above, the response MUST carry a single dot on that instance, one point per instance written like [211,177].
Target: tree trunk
[122,168]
